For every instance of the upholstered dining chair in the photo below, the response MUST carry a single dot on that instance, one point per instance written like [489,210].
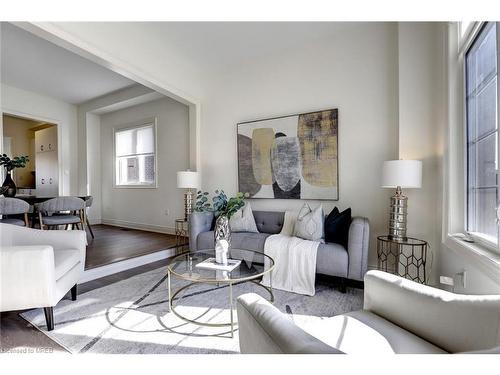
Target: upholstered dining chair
[61,211]
[14,206]
[88,204]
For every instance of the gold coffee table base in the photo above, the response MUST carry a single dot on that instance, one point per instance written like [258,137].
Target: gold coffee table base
[232,324]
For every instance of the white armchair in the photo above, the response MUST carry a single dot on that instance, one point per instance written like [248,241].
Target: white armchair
[399,316]
[38,268]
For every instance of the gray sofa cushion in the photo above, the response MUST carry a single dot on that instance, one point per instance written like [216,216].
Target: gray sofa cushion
[239,240]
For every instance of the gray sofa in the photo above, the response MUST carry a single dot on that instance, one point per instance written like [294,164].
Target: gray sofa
[332,260]
[398,316]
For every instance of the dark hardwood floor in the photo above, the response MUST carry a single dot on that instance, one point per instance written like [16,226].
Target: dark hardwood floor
[19,336]
[113,244]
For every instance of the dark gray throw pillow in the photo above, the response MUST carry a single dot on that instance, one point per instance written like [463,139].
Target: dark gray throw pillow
[337,226]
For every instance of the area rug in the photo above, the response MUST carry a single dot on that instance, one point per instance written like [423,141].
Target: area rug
[132,316]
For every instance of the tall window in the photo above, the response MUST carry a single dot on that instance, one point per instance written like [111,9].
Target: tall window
[482,135]
[135,154]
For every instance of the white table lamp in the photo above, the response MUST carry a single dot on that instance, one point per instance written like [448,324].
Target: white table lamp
[400,174]
[188,180]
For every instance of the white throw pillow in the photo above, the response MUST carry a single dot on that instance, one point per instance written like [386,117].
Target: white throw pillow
[243,220]
[309,223]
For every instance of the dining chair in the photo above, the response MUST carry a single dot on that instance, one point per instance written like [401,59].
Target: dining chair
[88,204]
[61,211]
[14,206]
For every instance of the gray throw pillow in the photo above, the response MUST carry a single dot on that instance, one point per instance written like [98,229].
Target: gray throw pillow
[243,220]
[309,223]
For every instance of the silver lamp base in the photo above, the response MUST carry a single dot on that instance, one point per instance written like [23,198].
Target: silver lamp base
[398,215]
[188,204]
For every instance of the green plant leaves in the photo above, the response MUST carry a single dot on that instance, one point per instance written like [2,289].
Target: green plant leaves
[16,162]
[220,204]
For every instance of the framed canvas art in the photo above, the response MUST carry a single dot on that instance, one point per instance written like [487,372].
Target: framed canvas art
[290,157]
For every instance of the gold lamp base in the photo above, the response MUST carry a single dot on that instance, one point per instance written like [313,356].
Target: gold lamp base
[398,216]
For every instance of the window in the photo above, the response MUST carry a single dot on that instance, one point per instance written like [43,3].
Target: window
[135,156]
[482,135]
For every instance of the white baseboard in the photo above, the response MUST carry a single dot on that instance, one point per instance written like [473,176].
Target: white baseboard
[140,226]
[98,272]
[95,221]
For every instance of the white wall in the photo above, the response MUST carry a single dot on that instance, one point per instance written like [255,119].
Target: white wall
[370,73]
[89,139]
[422,117]
[481,276]
[85,145]
[145,208]
[355,72]
[32,105]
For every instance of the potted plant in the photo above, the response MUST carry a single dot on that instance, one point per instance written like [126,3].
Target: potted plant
[9,165]
[223,208]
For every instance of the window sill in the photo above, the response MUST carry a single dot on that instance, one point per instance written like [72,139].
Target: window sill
[480,255]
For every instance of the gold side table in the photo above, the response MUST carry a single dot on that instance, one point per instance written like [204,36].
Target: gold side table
[181,236]
[404,258]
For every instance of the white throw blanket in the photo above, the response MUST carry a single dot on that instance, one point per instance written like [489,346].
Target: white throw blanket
[295,263]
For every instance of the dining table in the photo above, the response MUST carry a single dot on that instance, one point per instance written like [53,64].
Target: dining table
[32,200]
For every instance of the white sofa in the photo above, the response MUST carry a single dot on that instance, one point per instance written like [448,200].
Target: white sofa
[38,268]
[399,316]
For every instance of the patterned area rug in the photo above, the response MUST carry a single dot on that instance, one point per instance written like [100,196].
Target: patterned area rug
[132,316]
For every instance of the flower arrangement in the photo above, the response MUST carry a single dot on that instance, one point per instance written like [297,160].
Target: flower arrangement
[220,205]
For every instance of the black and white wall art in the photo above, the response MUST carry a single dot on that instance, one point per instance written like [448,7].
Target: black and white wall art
[290,157]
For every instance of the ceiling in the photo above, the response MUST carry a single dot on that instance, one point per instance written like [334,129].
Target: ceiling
[216,46]
[31,63]
[208,48]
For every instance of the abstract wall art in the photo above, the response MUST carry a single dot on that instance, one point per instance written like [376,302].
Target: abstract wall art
[290,157]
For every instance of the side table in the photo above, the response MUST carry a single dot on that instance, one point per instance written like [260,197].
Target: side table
[181,235]
[407,257]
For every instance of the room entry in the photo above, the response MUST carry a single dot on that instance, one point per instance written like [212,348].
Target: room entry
[39,142]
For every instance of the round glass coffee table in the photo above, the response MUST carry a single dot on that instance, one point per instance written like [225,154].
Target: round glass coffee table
[254,265]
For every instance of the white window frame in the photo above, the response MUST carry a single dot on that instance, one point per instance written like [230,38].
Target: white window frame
[454,223]
[469,38]
[135,125]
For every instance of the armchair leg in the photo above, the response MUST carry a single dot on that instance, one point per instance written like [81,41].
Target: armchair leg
[74,292]
[49,317]
[343,288]
[90,228]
